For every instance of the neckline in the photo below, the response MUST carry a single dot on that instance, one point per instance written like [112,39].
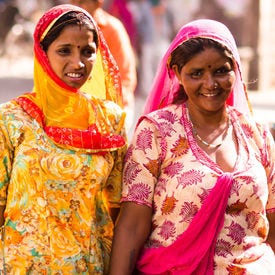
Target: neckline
[198,152]
[224,134]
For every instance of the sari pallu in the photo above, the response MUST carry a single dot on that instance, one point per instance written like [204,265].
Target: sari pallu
[193,251]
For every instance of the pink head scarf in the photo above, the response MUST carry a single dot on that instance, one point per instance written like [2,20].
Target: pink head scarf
[166,84]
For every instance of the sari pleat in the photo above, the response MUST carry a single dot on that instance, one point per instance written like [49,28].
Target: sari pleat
[193,252]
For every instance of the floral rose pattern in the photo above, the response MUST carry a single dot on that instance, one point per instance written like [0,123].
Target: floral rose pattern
[185,175]
[56,219]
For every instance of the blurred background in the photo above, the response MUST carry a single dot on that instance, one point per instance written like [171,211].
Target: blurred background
[152,23]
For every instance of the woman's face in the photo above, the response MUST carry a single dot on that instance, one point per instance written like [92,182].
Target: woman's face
[207,79]
[72,55]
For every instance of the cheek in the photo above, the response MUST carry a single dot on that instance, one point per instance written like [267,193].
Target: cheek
[89,67]
[54,62]
[190,85]
[228,82]
[90,63]
[231,82]
[55,67]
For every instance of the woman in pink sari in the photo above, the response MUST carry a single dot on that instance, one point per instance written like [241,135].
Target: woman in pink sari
[199,187]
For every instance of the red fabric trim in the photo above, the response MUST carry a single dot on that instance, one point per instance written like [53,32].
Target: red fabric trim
[85,139]
[31,109]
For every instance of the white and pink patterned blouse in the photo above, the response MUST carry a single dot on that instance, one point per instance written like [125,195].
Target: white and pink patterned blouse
[165,169]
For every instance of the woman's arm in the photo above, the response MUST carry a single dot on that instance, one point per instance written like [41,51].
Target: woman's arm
[271,234]
[131,232]
[2,219]
[5,170]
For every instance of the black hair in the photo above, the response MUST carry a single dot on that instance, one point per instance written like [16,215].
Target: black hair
[187,50]
[70,18]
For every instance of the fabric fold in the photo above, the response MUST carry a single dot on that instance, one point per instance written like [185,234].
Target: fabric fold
[193,252]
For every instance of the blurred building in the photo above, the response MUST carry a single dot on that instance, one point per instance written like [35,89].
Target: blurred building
[266,38]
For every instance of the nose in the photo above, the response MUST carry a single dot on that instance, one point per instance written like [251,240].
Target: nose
[210,82]
[80,65]
[77,62]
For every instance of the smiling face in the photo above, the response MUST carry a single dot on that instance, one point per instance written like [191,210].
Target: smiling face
[72,55]
[207,79]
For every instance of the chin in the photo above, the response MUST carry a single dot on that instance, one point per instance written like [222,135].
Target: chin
[74,85]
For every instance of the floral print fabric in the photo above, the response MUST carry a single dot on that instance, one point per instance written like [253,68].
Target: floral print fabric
[165,169]
[57,200]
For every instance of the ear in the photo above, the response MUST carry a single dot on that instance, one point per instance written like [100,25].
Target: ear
[175,68]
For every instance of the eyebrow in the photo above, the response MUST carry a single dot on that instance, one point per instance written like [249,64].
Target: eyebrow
[65,45]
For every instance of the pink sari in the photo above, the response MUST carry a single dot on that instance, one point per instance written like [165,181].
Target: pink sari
[193,251]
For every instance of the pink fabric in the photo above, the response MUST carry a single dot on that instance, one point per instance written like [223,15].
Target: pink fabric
[165,84]
[193,251]
[119,9]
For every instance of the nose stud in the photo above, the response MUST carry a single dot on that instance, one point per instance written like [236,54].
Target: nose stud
[215,85]
[81,65]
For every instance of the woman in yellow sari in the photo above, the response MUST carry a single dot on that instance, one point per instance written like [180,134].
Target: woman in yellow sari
[61,151]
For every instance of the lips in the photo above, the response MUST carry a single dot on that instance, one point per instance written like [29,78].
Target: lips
[209,94]
[74,75]
[75,79]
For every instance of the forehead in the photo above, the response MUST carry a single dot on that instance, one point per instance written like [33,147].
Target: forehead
[74,34]
[208,57]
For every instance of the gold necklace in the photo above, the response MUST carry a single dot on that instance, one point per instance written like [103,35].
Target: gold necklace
[211,145]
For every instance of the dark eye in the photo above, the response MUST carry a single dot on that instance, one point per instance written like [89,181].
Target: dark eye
[88,52]
[196,74]
[64,51]
[223,70]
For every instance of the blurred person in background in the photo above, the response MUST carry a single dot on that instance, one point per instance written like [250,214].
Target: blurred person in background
[61,152]
[121,48]
[155,27]
[143,17]
[8,13]
[121,10]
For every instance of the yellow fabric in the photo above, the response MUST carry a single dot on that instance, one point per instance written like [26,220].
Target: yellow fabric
[67,109]
[57,217]
[95,86]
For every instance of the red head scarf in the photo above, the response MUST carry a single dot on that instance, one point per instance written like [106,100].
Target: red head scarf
[74,117]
